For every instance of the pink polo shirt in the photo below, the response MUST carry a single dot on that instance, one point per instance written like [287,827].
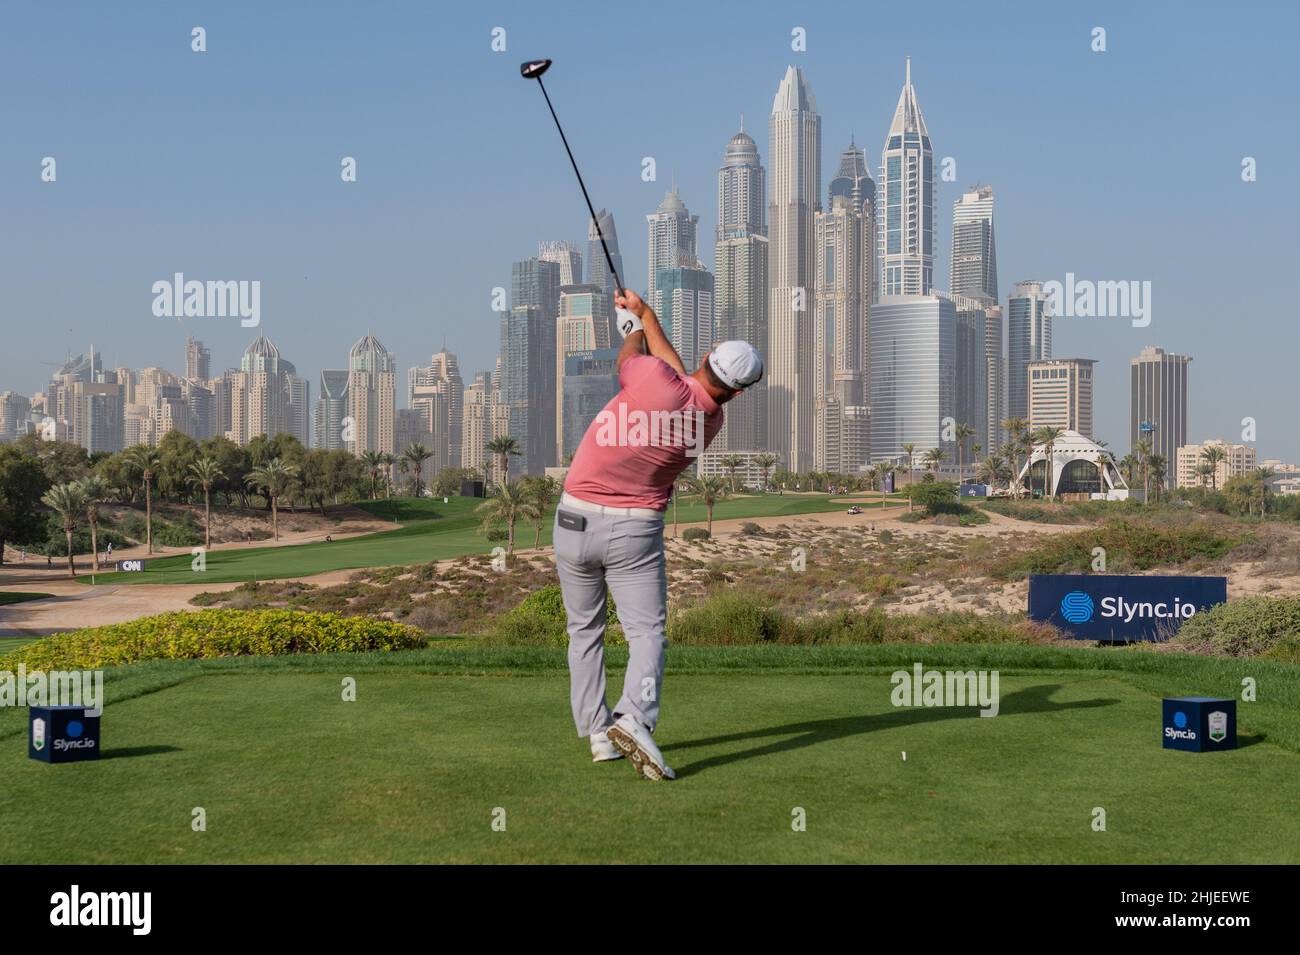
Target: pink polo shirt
[648,434]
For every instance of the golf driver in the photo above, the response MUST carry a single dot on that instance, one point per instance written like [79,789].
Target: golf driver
[533,70]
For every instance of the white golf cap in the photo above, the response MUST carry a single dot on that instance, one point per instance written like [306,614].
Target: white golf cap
[737,364]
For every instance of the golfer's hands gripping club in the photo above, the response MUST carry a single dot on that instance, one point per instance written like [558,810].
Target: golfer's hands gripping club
[628,311]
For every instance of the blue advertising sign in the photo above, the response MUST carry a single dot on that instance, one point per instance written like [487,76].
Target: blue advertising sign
[1119,608]
[889,482]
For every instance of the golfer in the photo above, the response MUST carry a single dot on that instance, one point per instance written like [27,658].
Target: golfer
[609,523]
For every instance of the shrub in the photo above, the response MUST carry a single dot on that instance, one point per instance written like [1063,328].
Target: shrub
[1130,545]
[886,536]
[1251,627]
[541,618]
[937,497]
[749,527]
[728,618]
[695,534]
[205,634]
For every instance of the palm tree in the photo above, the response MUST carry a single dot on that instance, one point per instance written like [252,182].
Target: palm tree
[933,458]
[389,459]
[206,472]
[542,492]
[1211,456]
[910,450]
[1046,436]
[731,462]
[1017,430]
[374,462]
[1128,465]
[1102,456]
[68,500]
[1158,465]
[509,504]
[1263,476]
[94,491]
[885,469]
[503,447]
[711,490]
[417,454]
[274,479]
[144,461]
[1143,452]
[873,475]
[765,461]
[961,433]
[991,470]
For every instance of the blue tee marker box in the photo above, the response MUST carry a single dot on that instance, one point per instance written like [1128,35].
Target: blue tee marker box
[1199,724]
[62,734]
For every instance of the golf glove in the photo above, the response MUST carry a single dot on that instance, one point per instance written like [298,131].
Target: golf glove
[627,322]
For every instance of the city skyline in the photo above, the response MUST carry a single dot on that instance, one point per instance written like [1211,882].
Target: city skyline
[1045,227]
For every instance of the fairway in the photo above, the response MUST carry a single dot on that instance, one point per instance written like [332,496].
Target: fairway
[425,530]
[414,770]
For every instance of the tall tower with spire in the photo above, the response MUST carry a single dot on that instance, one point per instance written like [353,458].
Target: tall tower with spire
[906,208]
[598,273]
[794,146]
[741,284]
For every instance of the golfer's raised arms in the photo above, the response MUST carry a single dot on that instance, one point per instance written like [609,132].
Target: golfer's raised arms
[651,333]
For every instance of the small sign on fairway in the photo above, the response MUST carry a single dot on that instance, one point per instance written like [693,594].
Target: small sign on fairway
[1199,723]
[62,734]
[135,566]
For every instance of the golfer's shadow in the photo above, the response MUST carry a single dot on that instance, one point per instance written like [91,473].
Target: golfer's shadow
[1034,699]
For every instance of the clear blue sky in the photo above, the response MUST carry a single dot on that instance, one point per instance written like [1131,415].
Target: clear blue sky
[225,165]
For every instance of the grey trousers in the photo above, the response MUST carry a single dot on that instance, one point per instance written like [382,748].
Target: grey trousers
[627,555]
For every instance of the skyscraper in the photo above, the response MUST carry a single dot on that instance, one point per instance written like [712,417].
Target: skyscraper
[685,297]
[853,182]
[670,241]
[528,360]
[331,408]
[1158,402]
[566,255]
[372,397]
[1029,338]
[839,329]
[974,252]
[912,375]
[971,381]
[581,327]
[906,207]
[794,144]
[974,276]
[590,382]
[1060,394]
[597,268]
[266,395]
[198,360]
[740,282]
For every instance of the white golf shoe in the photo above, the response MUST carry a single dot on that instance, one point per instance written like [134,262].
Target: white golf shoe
[602,750]
[635,742]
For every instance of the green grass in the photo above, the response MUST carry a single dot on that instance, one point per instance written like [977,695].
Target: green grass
[439,738]
[17,596]
[428,530]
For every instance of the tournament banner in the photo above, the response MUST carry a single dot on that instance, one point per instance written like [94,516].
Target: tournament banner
[1122,607]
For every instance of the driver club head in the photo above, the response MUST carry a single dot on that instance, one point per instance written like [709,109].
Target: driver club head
[533,69]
